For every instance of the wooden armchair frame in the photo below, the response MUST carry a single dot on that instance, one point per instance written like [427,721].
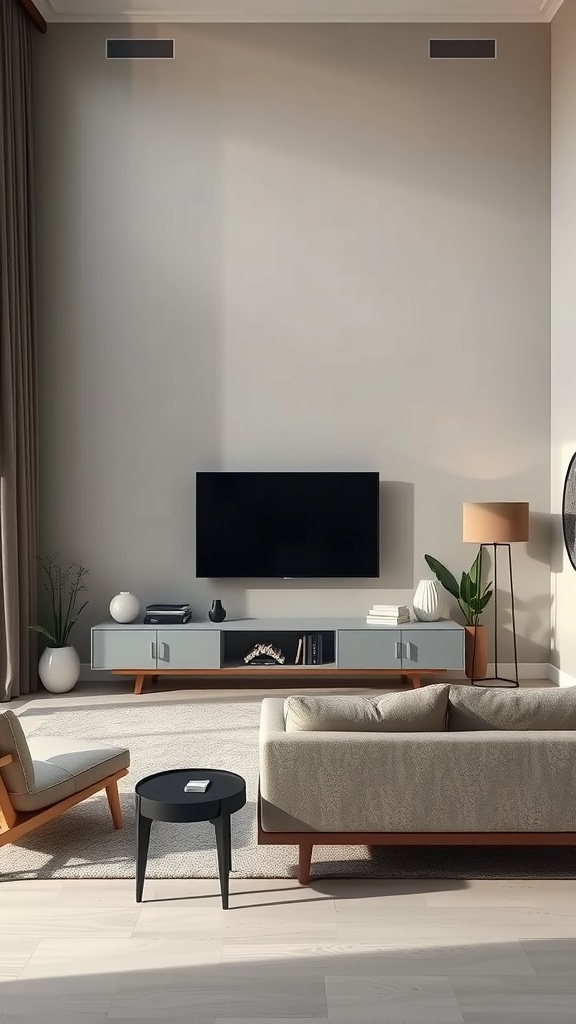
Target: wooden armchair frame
[15,824]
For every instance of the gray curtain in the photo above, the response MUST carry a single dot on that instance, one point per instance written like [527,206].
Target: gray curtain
[18,375]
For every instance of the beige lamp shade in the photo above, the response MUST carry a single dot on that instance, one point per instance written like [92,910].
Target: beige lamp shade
[495,522]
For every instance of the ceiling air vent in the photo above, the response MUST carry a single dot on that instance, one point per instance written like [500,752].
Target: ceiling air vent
[143,49]
[462,49]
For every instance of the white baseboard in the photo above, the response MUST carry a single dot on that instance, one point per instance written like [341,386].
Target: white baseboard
[559,677]
[94,675]
[526,670]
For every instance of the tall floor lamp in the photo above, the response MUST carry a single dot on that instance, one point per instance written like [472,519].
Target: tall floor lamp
[496,524]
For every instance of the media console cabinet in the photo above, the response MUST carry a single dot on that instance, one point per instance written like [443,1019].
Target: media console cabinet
[350,649]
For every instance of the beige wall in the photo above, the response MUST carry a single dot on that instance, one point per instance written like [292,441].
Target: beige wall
[294,247]
[563,323]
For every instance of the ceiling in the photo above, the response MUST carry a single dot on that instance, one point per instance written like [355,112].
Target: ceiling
[298,10]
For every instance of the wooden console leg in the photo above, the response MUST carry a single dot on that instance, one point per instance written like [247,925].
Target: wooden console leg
[416,682]
[114,804]
[139,684]
[304,860]
[406,679]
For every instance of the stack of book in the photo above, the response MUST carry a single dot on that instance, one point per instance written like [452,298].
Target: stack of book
[388,615]
[309,650]
[168,614]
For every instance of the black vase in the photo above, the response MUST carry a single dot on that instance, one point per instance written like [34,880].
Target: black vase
[217,613]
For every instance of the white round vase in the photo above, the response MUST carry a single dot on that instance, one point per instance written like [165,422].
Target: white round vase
[59,668]
[124,607]
[426,601]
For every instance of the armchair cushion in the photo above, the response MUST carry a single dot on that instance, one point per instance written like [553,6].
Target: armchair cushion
[18,777]
[66,766]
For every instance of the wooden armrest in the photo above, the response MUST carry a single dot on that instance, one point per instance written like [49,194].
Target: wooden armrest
[6,760]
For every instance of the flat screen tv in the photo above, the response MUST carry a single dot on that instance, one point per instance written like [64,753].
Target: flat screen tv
[287,525]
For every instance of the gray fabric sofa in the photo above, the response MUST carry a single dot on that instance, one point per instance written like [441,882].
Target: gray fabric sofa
[447,764]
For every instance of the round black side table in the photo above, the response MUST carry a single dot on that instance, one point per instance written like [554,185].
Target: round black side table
[161,797]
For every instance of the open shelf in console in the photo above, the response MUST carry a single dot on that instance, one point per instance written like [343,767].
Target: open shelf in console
[237,643]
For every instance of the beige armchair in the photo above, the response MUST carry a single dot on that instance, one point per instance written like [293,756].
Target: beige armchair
[42,777]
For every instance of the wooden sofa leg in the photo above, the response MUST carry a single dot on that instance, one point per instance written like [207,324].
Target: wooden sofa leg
[114,804]
[304,860]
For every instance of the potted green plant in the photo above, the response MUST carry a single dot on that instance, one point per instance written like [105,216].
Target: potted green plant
[59,665]
[472,600]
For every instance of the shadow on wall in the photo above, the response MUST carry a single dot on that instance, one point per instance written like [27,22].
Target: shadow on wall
[145,341]
[560,566]
[396,554]
[309,63]
[533,613]
[541,537]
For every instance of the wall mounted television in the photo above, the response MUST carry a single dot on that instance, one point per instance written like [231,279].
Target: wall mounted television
[287,525]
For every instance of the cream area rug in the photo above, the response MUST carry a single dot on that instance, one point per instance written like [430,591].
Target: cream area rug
[163,732]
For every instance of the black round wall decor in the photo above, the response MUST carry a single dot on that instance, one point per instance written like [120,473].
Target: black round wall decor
[569,511]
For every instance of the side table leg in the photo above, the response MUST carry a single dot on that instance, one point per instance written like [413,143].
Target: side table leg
[143,826]
[229,841]
[221,829]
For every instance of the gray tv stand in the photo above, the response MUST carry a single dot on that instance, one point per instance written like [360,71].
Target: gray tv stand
[351,649]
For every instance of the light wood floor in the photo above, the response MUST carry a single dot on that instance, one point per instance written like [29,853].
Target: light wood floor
[342,952]
[337,952]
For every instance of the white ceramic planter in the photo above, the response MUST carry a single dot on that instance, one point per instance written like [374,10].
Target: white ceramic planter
[426,601]
[124,607]
[59,668]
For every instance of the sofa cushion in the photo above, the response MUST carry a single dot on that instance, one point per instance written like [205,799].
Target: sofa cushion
[473,709]
[66,766]
[18,777]
[416,711]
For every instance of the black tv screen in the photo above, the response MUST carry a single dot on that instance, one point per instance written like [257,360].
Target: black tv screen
[287,525]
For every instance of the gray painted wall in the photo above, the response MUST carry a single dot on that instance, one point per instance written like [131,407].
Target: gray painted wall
[563,323]
[294,247]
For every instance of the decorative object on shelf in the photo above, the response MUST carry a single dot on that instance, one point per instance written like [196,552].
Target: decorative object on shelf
[217,613]
[388,615]
[497,524]
[168,614]
[264,654]
[59,664]
[472,600]
[426,601]
[125,607]
[309,649]
[569,511]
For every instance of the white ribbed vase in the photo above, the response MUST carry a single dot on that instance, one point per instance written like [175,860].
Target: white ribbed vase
[426,602]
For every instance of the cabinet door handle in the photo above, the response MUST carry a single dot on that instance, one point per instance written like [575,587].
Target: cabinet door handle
[398,650]
[408,651]
[153,650]
[164,654]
